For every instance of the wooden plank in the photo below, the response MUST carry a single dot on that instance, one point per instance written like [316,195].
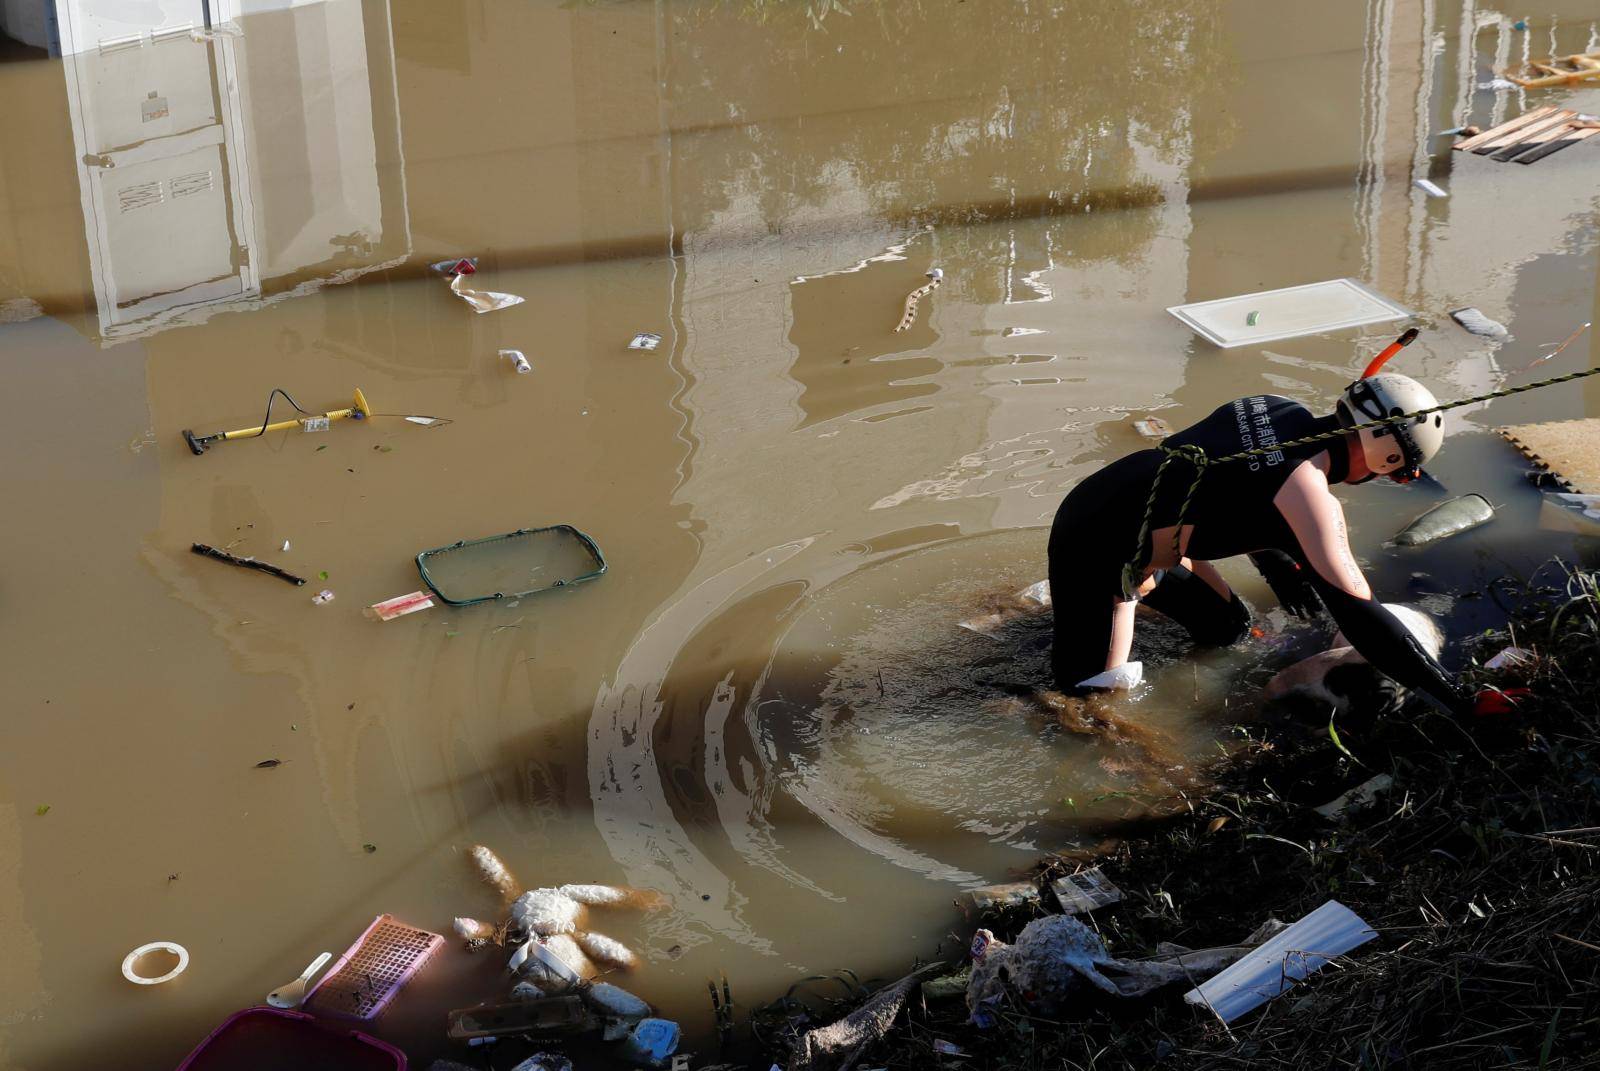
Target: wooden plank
[1543,126]
[1568,449]
[1570,78]
[1505,128]
[1531,137]
[1574,135]
[1559,70]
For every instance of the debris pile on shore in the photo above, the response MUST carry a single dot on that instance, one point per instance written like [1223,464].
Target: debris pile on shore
[1477,863]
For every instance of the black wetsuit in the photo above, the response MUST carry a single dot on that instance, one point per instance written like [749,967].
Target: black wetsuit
[1097,527]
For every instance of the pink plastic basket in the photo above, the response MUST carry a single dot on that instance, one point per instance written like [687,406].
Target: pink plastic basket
[371,971]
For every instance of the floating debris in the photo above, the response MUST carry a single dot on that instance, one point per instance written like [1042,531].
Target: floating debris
[399,606]
[247,563]
[1556,70]
[483,300]
[459,266]
[495,873]
[373,970]
[1446,519]
[518,362]
[1152,428]
[323,597]
[645,340]
[169,947]
[909,317]
[1532,136]
[294,994]
[1296,310]
[1475,321]
[1432,189]
[545,1017]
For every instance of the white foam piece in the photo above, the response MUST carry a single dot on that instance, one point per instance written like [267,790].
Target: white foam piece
[1475,321]
[1300,950]
[1288,313]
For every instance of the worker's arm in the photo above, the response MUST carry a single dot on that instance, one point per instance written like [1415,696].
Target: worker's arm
[1317,521]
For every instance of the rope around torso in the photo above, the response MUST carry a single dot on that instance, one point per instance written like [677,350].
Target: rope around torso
[1133,572]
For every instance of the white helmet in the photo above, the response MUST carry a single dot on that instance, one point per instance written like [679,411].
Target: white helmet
[1396,450]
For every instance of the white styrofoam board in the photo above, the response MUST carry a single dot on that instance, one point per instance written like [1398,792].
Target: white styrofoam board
[1297,951]
[1288,313]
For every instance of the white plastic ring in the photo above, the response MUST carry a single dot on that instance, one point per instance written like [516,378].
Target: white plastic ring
[155,946]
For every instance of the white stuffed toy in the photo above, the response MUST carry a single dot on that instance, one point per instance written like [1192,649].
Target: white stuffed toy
[554,919]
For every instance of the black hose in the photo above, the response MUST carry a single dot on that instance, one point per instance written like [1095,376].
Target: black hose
[270,399]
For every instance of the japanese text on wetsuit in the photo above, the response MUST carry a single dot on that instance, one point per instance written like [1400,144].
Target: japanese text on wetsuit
[1256,431]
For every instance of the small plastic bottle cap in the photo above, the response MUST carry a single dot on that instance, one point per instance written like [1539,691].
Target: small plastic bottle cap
[155,946]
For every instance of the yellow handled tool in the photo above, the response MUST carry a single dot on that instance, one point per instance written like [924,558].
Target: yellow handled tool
[358,410]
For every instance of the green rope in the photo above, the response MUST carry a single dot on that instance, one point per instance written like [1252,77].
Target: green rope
[1133,572]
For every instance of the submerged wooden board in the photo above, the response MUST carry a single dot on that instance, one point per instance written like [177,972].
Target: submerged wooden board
[1525,119]
[1553,132]
[1569,449]
[1571,136]
[1543,127]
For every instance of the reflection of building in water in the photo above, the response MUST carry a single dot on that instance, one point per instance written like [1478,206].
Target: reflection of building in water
[214,168]
[1430,70]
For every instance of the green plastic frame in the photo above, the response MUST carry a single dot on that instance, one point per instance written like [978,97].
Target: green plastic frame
[588,544]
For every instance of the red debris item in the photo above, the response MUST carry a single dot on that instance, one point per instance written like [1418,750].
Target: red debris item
[451,268]
[270,1038]
[373,970]
[1494,702]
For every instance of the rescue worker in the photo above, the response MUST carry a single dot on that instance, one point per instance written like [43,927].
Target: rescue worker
[1276,506]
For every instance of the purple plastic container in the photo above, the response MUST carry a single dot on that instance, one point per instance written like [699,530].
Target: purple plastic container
[270,1039]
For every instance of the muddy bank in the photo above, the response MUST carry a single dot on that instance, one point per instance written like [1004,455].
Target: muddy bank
[1478,867]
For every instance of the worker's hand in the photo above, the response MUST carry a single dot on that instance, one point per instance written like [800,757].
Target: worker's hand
[1494,702]
[1289,582]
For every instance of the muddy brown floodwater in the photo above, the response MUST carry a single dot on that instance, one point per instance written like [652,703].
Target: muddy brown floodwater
[764,709]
